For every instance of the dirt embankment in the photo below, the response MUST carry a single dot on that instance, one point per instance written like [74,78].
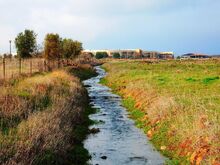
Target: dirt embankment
[44,118]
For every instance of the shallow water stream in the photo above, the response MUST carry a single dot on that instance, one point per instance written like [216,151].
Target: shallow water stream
[119,142]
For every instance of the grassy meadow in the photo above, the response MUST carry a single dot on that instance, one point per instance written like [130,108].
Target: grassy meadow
[176,103]
[44,118]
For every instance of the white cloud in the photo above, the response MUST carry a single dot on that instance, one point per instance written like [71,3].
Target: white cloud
[84,28]
[91,20]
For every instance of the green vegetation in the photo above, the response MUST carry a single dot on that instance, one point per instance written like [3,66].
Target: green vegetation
[116,55]
[26,43]
[52,46]
[70,48]
[83,72]
[44,119]
[55,47]
[100,55]
[176,103]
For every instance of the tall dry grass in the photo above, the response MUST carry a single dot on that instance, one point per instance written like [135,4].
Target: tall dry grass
[38,117]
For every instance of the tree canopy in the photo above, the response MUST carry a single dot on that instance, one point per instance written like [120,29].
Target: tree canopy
[100,55]
[116,55]
[70,48]
[25,43]
[52,46]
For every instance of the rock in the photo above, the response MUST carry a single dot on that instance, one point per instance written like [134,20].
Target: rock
[101,121]
[104,157]
[163,148]
[87,86]
[150,134]
[106,97]
[94,130]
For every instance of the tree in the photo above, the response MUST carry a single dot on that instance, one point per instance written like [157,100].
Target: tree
[70,48]
[116,55]
[78,47]
[25,43]
[100,55]
[52,46]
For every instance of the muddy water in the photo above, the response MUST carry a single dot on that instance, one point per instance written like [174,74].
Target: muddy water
[119,142]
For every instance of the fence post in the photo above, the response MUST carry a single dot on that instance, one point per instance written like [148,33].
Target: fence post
[4,75]
[31,66]
[58,63]
[49,65]
[45,65]
[19,66]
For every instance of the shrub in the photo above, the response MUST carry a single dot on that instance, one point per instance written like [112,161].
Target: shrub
[116,55]
[100,55]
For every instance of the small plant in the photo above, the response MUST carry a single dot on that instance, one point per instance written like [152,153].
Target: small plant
[209,80]
[191,79]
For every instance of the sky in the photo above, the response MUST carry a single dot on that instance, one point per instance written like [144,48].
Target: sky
[181,26]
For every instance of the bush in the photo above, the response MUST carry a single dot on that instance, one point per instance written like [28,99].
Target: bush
[116,55]
[100,55]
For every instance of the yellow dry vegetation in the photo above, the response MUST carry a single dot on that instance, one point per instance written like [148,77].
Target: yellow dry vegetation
[38,116]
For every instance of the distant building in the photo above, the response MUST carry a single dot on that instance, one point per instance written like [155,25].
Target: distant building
[166,55]
[215,56]
[150,54]
[135,53]
[125,53]
[194,56]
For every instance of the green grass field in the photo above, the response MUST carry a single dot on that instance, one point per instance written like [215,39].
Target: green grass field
[177,103]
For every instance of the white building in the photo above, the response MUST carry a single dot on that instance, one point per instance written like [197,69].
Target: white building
[126,53]
[134,53]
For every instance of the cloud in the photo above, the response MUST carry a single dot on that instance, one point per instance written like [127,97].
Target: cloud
[113,23]
[86,28]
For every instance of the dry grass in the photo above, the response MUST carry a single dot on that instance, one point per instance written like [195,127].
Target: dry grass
[38,116]
[179,103]
[39,65]
[12,67]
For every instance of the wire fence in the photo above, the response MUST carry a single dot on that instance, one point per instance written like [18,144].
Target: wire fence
[14,67]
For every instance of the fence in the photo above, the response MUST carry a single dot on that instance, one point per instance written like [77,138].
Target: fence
[14,67]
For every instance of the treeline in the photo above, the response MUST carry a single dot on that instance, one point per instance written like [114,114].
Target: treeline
[100,55]
[54,46]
